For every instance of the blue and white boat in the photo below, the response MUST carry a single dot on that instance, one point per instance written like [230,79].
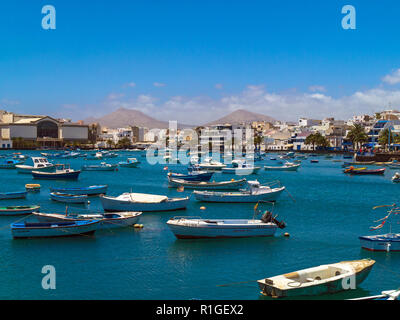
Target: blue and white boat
[129,163]
[37,164]
[65,173]
[383,242]
[54,229]
[192,175]
[68,198]
[92,190]
[13,195]
[18,210]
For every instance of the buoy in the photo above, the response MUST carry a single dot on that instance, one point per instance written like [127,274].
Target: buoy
[88,202]
[287,234]
[136,226]
[202,208]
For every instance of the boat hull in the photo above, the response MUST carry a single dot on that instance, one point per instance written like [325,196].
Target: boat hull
[241,171]
[13,195]
[237,197]
[111,204]
[93,190]
[18,211]
[227,185]
[49,231]
[387,243]
[28,169]
[196,231]
[56,176]
[68,198]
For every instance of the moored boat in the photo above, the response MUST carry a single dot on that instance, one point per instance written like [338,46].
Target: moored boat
[54,229]
[197,228]
[288,166]
[203,185]
[13,195]
[129,163]
[241,168]
[38,164]
[396,177]
[18,210]
[359,171]
[9,164]
[101,167]
[65,173]
[255,192]
[323,279]
[32,187]
[68,198]
[92,190]
[142,202]
[209,164]
[192,175]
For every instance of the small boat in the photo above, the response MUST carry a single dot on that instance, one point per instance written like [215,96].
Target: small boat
[359,171]
[192,175]
[241,167]
[142,202]
[129,163]
[96,156]
[9,164]
[13,195]
[396,177]
[348,157]
[54,229]
[314,161]
[107,220]
[203,185]
[92,190]
[288,166]
[323,279]
[65,173]
[100,167]
[38,164]
[32,187]
[385,295]
[18,210]
[210,164]
[197,228]
[68,198]
[255,192]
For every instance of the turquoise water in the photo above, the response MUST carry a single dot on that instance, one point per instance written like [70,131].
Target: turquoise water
[330,211]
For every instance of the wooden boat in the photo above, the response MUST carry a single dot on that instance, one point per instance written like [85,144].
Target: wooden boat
[38,164]
[54,229]
[13,195]
[32,187]
[359,171]
[18,210]
[203,185]
[323,279]
[92,190]
[142,202]
[129,163]
[192,176]
[107,220]
[255,192]
[9,164]
[68,198]
[288,166]
[196,228]
[100,167]
[65,173]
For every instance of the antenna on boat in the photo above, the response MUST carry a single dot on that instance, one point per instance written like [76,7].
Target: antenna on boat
[66,210]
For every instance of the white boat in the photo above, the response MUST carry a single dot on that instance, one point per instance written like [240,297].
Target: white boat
[197,228]
[38,164]
[385,295]
[205,185]
[323,279]
[255,192]
[107,220]
[68,198]
[288,166]
[396,177]
[241,168]
[101,167]
[210,164]
[142,202]
[129,163]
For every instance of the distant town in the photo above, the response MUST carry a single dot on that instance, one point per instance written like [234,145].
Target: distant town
[379,131]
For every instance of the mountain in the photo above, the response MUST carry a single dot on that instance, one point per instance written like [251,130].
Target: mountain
[240,116]
[127,117]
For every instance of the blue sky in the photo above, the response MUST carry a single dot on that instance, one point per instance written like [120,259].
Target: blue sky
[194,61]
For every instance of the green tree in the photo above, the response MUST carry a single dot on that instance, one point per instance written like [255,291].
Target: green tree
[357,135]
[385,137]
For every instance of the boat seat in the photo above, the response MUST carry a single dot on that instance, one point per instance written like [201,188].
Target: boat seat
[309,279]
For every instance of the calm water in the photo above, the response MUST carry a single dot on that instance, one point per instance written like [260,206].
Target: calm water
[330,211]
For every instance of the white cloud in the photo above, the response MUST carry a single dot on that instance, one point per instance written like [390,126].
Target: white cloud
[159,84]
[392,78]
[129,85]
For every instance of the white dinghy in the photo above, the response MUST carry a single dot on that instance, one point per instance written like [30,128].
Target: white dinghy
[328,278]
[255,192]
[288,166]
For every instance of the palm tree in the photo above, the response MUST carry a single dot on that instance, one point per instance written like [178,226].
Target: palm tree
[357,135]
[311,140]
[385,137]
